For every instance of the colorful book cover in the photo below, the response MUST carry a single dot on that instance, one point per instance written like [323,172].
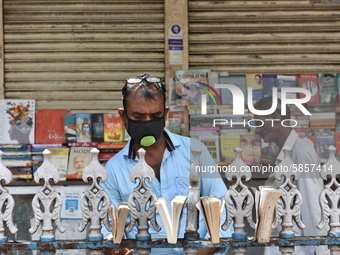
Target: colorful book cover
[113,128]
[213,79]
[255,82]
[285,81]
[190,84]
[324,139]
[251,149]
[227,145]
[70,128]
[328,88]
[84,128]
[49,126]
[97,120]
[268,81]
[269,152]
[80,157]
[236,80]
[310,81]
[59,159]
[17,121]
[212,143]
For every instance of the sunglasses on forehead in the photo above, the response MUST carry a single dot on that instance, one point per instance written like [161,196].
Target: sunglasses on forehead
[139,80]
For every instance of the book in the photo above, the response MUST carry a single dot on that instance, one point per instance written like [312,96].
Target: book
[17,121]
[227,145]
[113,128]
[236,80]
[171,220]
[265,204]
[251,149]
[84,128]
[70,128]
[268,81]
[211,209]
[49,126]
[97,120]
[328,88]
[324,139]
[118,220]
[310,81]
[190,84]
[255,82]
[80,157]
[269,152]
[213,79]
[59,159]
[213,145]
[285,81]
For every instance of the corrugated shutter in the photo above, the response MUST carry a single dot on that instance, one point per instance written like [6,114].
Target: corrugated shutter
[76,54]
[281,37]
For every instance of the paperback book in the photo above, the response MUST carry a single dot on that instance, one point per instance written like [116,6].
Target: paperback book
[84,128]
[80,157]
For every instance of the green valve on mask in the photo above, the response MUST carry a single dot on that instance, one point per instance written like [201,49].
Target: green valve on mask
[147,141]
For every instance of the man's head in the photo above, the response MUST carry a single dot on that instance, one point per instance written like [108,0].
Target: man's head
[144,110]
[270,131]
[80,162]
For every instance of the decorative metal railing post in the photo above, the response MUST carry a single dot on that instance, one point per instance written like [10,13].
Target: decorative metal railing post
[6,201]
[94,201]
[329,199]
[46,203]
[288,207]
[191,230]
[142,201]
[238,200]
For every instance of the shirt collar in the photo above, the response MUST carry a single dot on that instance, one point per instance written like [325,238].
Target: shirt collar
[290,142]
[170,139]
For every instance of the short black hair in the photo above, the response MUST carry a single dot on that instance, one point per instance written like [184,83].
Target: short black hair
[148,89]
[267,102]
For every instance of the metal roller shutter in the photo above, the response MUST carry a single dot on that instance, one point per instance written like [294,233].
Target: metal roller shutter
[75,54]
[280,37]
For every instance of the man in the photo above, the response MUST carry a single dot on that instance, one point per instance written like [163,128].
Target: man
[79,164]
[169,155]
[310,184]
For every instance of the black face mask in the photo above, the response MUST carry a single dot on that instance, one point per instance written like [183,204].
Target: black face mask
[146,132]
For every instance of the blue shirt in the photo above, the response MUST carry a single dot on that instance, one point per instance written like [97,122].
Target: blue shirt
[174,175]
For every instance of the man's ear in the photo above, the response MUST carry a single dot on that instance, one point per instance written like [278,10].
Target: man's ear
[121,113]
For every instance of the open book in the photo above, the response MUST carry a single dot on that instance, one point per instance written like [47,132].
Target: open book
[265,201]
[118,221]
[171,221]
[211,209]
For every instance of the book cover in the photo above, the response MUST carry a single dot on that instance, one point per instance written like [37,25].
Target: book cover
[84,128]
[251,149]
[80,157]
[268,81]
[190,84]
[236,80]
[328,88]
[324,139]
[70,128]
[49,126]
[59,159]
[337,142]
[97,120]
[269,152]
[255,82]
[113,128]
[213,79]
[227,145]
[310,81]
[213,145]
[285,81]
[17,121]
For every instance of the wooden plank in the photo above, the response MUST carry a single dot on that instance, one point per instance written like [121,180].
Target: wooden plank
[112,105]
[225,59]
[321,15]
[81,56]
[78,27]
[274,48]
[259,5]
[64,85]
[84,37]
[82,66]
[176,12]
[85,46]
[270,26]
[74,76]
[65,95]
[2,62]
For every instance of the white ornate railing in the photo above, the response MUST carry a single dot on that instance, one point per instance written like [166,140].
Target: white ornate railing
[238,200]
